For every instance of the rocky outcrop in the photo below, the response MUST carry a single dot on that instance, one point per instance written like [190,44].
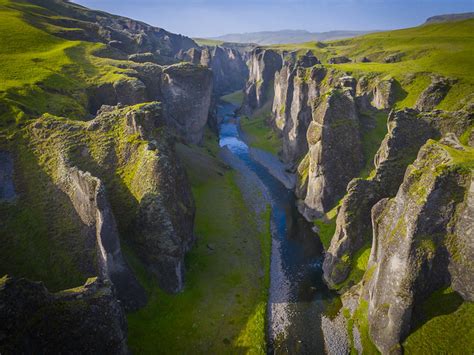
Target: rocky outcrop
[163,224]
[7,187]
[394,58]
[186,92]
[129,151]
[335,155]
[229,70]
[339,60]
[296,89]
[416,240]
[263,64]
[433,94]
[86,319]
[383,95]
[408,130]
[129,91]
[88,196]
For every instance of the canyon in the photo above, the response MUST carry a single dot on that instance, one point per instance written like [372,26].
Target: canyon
[314,197]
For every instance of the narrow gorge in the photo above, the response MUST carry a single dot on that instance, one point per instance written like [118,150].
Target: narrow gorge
[162,194]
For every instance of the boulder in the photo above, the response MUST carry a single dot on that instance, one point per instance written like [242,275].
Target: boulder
[433,94]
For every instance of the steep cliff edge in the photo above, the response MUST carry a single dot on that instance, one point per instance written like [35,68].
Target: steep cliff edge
[229,70]
[408,130]
[186,94]
[86,319]
[296,88]
[335,155]
[129,150]
[88,196]
[420,243]
[263,64]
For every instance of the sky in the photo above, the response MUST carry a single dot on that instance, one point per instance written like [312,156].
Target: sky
[209,18]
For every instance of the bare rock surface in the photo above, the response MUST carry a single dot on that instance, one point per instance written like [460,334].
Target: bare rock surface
[186,93]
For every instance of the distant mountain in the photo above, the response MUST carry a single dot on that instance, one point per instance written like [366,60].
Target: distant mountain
[287,36]
[450,17]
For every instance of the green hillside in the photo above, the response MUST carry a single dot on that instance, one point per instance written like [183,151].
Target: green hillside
[41,72]
[445,49]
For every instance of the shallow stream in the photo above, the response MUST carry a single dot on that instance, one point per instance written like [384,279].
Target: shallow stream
[298,296]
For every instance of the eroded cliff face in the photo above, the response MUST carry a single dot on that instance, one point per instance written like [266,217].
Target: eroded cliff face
[263,64]
[229,70]
[89,198]
[416,239]
[186,93]
[335,155]
[408,130]
[87,319]
[296,88]
[127,151]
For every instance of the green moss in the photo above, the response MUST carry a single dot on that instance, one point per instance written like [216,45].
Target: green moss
[464,139]
[224,303]
[358,266]
[448,326]
[360,320]
[39,231]
[326,231]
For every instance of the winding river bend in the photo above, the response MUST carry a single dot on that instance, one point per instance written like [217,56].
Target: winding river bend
[298,296]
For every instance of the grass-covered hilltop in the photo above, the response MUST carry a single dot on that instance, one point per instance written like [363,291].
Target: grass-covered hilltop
[124,229]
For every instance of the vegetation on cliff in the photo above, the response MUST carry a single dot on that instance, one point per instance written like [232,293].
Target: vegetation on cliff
[223,306]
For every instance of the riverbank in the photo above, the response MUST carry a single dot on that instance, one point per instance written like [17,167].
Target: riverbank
[223,305]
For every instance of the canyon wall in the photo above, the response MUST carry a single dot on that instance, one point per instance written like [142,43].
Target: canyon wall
[410,218]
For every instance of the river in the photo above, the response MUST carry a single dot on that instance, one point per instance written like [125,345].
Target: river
[298,297]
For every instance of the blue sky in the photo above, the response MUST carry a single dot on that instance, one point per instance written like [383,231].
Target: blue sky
[205,18]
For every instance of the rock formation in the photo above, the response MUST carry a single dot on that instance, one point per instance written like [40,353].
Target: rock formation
[186,92]
[417,241]
[335,155]
[433,94]
[384,94]
[296,89]
[152,202]
[88,196]
[339,60]
[263,64]
[229,70]
[408,130]
[86,319]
